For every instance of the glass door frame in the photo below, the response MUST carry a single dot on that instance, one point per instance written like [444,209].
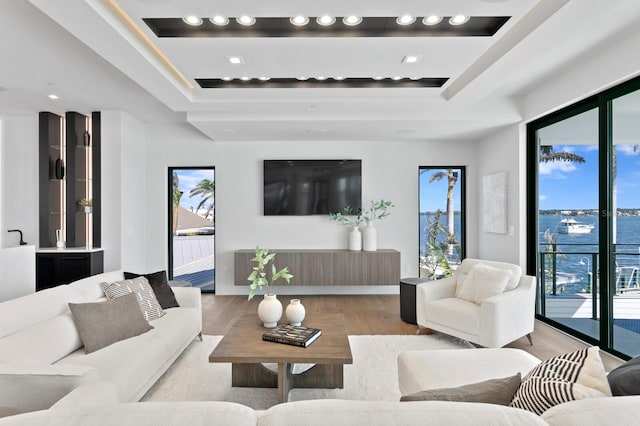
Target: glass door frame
[603,102]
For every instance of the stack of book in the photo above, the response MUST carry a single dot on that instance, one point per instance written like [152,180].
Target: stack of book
[292,335]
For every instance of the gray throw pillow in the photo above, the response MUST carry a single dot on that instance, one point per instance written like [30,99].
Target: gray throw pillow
[160,285]
[494,391]
[100,324]
[625,379]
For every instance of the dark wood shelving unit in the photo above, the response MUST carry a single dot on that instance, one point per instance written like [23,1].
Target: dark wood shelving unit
[328,267]
[65,139]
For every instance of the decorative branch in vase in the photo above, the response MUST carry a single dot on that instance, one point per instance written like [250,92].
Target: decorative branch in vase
[270,308]
[86,204]
[354,219]
[377,210]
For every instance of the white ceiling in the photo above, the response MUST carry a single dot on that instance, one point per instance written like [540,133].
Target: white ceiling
[83,51]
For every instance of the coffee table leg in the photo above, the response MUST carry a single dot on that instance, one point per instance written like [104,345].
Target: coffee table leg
[284,381]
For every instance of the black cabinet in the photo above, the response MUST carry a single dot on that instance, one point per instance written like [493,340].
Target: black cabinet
[408,298]
[65,266]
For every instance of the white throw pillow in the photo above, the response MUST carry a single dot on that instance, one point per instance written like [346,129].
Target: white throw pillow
[481,282]
[147,300]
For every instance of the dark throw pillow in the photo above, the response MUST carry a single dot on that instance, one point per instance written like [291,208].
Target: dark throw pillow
[494,391]
[100,324]
[161,288]
[625,379]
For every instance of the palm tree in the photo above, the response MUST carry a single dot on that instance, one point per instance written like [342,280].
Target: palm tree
[452,178]
[547,155]
[206,189]
[177,194]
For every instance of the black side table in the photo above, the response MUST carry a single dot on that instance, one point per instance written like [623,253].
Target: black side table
[408,298]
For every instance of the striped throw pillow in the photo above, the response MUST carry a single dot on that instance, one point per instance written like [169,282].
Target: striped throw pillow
[147,301]
[567,377]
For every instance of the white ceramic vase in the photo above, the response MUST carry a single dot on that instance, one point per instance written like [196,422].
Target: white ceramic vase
[369,238]
[295,312]
[355,239]
[270,310]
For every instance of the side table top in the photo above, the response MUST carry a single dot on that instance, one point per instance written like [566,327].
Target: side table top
[243,343]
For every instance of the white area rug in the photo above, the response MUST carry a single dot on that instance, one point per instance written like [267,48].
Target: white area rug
[373,374]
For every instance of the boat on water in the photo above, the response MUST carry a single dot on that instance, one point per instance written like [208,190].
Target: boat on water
[571,226]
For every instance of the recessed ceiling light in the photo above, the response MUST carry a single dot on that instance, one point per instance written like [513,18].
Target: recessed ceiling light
[396,77]
[192,20]
[321,78]
[235,60]
[338,78]
[264,78]
[245,78]
[227,78]
[432,19]
[219,20]
[405,20]
[411,59]
[459,19]
[325,20]
[302,78]
[378,78]
[352,20]
[246,20]
[52,96]
[299,20]
[415,78]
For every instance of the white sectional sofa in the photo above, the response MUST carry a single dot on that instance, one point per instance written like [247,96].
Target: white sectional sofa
[42,358]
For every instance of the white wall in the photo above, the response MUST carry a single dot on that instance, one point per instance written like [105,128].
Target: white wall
[504,151]
[19,179]
[389,171]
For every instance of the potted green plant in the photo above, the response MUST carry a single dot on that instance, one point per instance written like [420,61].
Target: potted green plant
[86,203]
[270,308]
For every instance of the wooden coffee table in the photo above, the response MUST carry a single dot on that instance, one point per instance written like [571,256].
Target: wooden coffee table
[244,348]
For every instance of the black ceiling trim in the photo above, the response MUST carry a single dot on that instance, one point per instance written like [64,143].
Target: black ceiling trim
[280,83]
[477,26]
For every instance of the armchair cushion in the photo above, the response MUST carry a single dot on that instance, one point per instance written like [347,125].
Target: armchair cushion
[481,282]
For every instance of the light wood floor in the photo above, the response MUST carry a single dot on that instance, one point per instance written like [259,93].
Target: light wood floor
[377,314]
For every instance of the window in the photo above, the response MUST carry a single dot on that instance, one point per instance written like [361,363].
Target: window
[192,226]
[441,222]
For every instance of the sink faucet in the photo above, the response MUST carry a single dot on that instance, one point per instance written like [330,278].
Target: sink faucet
[22,242]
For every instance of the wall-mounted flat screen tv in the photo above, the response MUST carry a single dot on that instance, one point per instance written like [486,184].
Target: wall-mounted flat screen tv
[305,187]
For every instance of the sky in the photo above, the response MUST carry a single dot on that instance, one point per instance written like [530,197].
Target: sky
[189,178]
[573,186]
[434,195]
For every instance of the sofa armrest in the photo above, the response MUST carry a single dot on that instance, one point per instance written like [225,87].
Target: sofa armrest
[39,387]
[432,290]
[508,316]
[89,394]
[188,297]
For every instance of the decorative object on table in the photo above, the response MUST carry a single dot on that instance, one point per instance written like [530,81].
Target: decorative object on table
[59,169]
[295,312]
[86,204]
[292,335]
[60,239]
[377,210]
[270,308]
[353,219]
[86,138]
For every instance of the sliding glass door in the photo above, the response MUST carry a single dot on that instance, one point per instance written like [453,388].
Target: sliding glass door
[584,218]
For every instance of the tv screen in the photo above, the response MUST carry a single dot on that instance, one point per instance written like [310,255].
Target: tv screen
[304,187]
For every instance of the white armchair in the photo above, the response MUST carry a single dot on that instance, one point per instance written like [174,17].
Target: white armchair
[494,321]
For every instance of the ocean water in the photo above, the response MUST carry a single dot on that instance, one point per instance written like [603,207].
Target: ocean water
[578,252]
